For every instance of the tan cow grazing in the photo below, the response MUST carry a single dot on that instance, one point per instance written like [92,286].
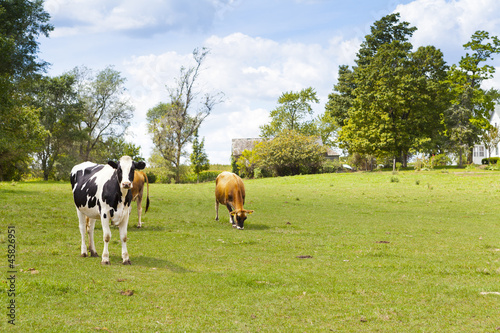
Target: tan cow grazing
[230,191]
[137,191]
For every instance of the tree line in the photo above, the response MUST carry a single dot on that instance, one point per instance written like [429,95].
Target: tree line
[48,124]
[395,102]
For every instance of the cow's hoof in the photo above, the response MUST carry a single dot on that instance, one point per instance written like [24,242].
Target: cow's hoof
[105,263]
[83,255]
[127,262]
[94,254]
[240,228]
[234,225]
[139,226]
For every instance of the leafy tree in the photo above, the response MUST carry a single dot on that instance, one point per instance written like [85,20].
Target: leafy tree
[290,153]
[394,100]
[113,148]
[60,112]
[247,162]
[171,124]
[290,114]
[199,159]
[340,101]
[106,111]
[21,22]
[491,138]
[472,105]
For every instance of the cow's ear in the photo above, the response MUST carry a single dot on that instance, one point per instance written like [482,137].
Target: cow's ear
[139,165]
[233,213]
[113,164]
[249,212]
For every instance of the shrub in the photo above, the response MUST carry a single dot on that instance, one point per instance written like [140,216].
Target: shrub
[247,163]
[331,166]
[151,177]
[490,160]
[290,153]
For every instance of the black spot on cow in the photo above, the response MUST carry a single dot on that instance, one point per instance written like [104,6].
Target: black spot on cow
[111,193]
[85,187]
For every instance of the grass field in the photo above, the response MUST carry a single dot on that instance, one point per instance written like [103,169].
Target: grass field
[360,252]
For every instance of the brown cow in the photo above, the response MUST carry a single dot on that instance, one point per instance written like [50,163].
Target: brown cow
[230,191]
[137,191]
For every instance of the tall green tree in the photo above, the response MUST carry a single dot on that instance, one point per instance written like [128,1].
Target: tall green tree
[106,110]
[60,114]
[394,100]
[199,158]
[471,104]
[292,113]
[21,22]
[174,124]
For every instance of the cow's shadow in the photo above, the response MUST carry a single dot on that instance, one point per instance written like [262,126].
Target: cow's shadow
[151,262]
[253,226]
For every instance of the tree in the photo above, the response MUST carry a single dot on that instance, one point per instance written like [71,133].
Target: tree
[171,124]
[21,22]
[471,105]
[106,111]
[491,138]
[113,148]
[60,113]
[394,100]
[290,114]
[290,153]
[199,159]
[247,163]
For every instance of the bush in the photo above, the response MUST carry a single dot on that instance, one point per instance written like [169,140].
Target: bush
[290,153]
[151,177]
[205,176]
[331,166]
[490,160]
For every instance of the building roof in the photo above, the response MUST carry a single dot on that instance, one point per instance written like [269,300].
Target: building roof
[239,145]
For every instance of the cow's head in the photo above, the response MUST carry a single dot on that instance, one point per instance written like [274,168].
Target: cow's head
[240,216]
[125,170]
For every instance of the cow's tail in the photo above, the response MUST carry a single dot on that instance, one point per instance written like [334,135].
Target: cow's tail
[147,191]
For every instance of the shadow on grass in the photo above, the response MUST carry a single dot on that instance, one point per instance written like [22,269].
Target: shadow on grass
[133,227]
[156,262]
[252,226]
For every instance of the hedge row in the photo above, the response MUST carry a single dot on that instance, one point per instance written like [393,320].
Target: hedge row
[490,160]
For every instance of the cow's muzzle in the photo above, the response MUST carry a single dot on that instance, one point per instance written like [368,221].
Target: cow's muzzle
[127,185]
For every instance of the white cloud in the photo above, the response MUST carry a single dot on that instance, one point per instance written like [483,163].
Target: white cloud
[252,72]
[450,24]
[72,17]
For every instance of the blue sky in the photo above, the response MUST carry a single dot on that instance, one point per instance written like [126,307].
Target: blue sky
[259,49]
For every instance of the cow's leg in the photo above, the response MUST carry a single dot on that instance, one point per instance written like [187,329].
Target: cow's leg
[106,231]
[216,210]
[139,209]
[83,231]
[231,217]
[123,237]
[92,250]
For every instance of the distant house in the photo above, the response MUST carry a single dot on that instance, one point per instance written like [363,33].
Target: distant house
[479,152]
[239,145]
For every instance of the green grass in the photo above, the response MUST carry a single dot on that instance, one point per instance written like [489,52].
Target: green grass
[412,255]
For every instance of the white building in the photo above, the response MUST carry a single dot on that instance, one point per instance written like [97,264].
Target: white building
[480,151]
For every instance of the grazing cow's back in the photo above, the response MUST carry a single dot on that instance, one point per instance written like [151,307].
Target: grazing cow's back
[230,191]
[140,178]
[103,192]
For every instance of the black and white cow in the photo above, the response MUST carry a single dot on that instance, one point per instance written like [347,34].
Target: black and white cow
[103,192]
